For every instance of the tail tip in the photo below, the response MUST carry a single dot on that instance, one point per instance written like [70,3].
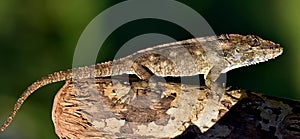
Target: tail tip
[3,127]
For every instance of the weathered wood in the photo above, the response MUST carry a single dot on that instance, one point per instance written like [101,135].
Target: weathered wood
[104,109]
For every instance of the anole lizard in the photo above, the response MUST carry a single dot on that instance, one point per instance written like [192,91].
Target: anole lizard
[210,56]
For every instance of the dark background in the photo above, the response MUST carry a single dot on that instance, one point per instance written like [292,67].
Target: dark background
[39,37]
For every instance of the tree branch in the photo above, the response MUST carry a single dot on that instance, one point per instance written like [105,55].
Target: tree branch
[135,109]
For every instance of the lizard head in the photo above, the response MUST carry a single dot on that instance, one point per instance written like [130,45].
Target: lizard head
[246,50]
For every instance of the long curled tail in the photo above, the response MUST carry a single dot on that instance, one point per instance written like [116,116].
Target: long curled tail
[51,78]
[98,70]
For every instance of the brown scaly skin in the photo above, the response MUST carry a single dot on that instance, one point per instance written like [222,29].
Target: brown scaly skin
[210,56]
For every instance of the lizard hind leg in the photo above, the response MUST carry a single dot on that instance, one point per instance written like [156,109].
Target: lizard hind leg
[141,71]
[142,74]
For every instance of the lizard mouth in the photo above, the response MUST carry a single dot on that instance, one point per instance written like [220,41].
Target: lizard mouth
[267,57]
[277,52]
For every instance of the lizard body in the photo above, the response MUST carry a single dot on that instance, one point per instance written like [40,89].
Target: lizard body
[210,56]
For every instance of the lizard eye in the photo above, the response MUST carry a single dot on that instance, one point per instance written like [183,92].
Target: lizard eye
[236,54]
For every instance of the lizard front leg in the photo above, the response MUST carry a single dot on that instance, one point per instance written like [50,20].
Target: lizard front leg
[216,87]
[206,118]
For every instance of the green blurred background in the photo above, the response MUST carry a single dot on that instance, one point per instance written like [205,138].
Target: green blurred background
[39,37]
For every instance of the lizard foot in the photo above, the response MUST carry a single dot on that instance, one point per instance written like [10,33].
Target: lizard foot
[126,98]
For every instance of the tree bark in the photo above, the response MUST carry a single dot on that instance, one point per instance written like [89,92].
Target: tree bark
[106,108]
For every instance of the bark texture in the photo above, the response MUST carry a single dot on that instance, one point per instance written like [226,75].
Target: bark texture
[106,108]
